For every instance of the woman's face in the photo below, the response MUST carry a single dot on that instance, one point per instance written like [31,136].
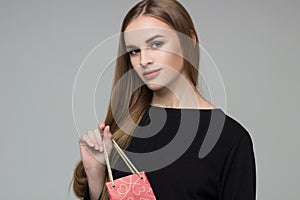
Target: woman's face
[154,46]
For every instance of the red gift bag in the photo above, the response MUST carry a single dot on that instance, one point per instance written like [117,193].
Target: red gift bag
[132,187]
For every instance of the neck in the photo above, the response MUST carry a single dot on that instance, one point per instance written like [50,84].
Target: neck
[179,94]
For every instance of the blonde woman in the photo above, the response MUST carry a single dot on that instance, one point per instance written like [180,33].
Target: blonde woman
[160,67]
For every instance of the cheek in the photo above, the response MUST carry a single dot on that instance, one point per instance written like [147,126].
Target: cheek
[177,61]
[173,61]
[134,61]
[138,71]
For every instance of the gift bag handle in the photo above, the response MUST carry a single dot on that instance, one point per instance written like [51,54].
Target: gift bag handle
[124,158]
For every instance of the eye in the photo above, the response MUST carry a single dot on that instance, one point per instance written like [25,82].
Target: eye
[156,45]
[134,52]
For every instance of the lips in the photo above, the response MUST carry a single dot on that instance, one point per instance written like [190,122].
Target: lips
[151,74]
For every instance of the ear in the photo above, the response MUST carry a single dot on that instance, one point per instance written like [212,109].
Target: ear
[193,36]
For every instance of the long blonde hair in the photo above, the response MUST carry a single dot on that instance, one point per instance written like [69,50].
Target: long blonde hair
[175,15]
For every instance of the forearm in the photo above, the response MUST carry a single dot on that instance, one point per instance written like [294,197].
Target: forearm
[95,178]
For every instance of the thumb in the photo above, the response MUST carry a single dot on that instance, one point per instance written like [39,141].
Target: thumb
[107,133]
[101,125]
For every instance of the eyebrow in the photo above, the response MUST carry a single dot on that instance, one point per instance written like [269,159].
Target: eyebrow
[147,41]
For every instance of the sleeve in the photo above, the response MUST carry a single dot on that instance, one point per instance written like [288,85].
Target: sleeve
[86,194]
[238,180]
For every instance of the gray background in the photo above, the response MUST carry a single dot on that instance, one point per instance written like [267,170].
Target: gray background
[254,43]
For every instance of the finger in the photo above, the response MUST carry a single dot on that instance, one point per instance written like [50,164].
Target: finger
[92,137]
[98,139]
[108,138]
[101,125]
[103,138]
[86,140]
[107,133]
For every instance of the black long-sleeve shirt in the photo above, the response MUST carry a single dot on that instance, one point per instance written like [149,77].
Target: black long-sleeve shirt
[218,164]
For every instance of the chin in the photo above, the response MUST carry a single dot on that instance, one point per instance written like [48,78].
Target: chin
[154,86]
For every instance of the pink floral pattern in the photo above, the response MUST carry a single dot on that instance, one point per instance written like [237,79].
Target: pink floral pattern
[131,187]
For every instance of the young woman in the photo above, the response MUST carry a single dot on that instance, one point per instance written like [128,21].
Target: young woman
[209,156]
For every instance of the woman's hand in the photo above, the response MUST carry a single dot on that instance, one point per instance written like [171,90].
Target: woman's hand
[91,147]
[92,156]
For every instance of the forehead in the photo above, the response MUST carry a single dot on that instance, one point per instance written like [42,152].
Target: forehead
[145,21]
[143,27]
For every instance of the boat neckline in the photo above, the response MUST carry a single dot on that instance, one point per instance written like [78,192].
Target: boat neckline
[201,109]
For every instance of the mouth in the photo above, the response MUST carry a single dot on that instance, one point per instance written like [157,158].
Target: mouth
[151,74]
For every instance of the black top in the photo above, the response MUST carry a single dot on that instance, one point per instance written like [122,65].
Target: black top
[200,154]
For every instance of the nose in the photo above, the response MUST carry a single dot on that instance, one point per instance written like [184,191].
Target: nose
[145,58]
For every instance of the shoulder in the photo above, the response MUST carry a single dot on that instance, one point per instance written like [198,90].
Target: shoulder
[221,134]
[227,130]
[224,136]
[234,133]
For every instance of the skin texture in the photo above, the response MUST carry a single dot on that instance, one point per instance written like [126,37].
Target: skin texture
[161,52]
[171,88]
[91,151]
